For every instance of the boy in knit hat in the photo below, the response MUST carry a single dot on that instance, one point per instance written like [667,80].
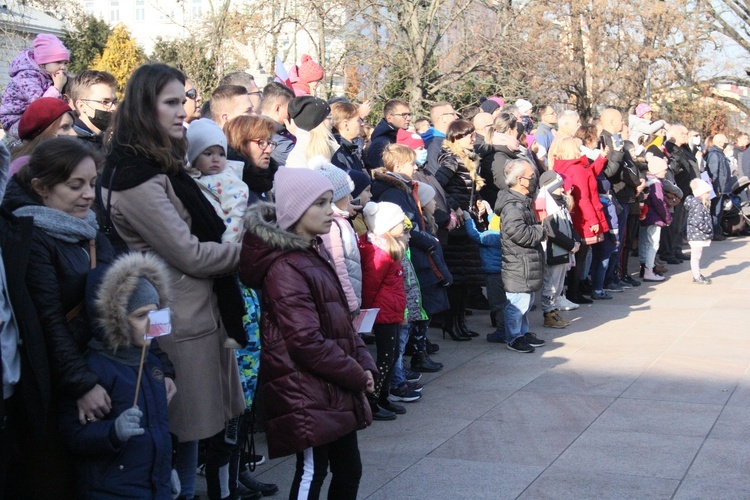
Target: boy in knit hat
[133,441]
[220,184]
[34,73]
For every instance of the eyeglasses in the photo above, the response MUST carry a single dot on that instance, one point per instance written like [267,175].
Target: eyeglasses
[191,94]
[264,144]
[403,115]
[452,113]
[105,103]
[259,93]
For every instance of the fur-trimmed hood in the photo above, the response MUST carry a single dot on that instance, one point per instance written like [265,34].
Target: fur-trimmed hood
[383,181]
[264,240]
[112,293]
[469,160]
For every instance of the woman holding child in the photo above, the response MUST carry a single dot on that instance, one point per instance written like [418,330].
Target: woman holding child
[155,206]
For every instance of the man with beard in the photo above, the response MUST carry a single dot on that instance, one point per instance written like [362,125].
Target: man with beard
[93,96]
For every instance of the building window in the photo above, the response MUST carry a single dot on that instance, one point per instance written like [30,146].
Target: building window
[114,13]
[196,8]
[88,7]
[140,10]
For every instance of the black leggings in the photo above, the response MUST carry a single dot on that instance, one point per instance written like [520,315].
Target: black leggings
[312,468]
[575,275]
[386,342]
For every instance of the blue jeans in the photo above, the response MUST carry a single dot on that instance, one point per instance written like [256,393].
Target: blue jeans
[186,464]
[648,245]
[614,262]
[517,309]
[398,377]
[602,252]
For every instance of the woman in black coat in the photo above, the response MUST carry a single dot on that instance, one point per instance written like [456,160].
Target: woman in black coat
[458,174]
[56,188]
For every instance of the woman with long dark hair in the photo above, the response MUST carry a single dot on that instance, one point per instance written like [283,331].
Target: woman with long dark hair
[458,174]
[156,206]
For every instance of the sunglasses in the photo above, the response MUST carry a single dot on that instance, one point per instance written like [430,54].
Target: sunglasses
[191,94]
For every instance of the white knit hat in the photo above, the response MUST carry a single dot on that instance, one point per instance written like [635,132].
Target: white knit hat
[201,135]
[382,217]
[523,105]
[342,183]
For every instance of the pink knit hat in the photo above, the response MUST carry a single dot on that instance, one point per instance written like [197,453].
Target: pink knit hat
[48,48]
[296,190]
[642,109]
[409,139]
[309,71]
[656,165]
[699,187]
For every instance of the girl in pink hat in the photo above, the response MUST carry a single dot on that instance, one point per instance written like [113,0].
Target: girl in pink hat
[37,72]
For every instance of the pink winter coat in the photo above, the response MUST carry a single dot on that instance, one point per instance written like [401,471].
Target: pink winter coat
[341,242]
[28,83]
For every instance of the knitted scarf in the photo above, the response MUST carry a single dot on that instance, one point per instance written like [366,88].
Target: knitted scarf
[60,225]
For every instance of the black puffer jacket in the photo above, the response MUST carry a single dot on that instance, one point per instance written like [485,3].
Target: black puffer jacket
[56,280]
[458,177]
[522,235]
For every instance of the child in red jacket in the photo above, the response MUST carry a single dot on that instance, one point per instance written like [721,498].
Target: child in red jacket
[383,288]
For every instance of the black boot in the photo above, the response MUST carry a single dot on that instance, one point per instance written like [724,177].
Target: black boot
[462,317]
[422,363]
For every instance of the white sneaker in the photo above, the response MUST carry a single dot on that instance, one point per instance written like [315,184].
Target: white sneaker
[650,275]
[564,304]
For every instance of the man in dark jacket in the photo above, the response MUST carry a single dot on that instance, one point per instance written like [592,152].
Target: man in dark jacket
[626,182]
[92,94]
[684,166]
[523,257]
[442,115]
[274,104]
[396,115]
[718,168]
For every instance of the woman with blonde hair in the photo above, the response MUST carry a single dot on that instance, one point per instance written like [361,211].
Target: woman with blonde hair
[311,124]
[347,127]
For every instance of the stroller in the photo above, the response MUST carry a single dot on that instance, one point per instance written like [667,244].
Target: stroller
[735,216]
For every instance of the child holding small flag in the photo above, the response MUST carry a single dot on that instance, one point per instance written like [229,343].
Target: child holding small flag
[128,454]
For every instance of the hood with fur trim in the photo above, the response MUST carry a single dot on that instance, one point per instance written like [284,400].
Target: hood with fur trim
[469,160]
[118,283]
[263,242]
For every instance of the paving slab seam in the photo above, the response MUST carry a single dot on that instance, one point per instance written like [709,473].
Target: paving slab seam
[687,469]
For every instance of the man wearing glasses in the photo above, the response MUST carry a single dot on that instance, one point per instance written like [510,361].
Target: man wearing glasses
[244,80]
[396,115]
[442,115]
[94,98]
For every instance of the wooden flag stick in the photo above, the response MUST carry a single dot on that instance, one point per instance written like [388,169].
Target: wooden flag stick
[140,372]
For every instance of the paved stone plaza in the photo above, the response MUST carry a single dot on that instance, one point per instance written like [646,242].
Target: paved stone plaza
[643,396]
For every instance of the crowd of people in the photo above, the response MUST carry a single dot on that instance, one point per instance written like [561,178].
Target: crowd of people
[273,224]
